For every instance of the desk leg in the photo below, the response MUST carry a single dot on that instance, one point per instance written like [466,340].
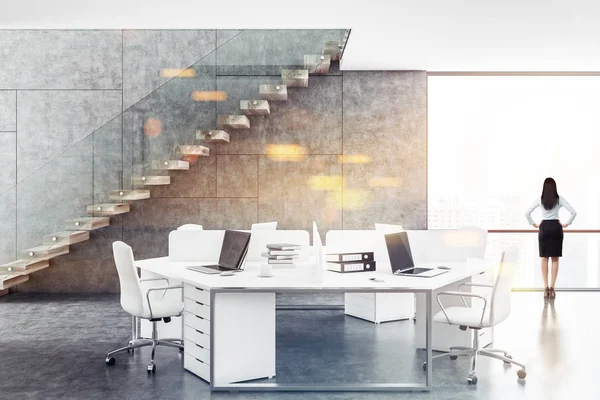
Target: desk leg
[428,336]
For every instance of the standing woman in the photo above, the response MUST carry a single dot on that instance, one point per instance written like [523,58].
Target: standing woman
[550,236]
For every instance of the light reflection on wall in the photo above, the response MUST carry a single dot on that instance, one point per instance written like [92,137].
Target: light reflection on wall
[353,199]
[385,181]
[178,73]
[354,159]
[286,152]
[199,95]
[325,182]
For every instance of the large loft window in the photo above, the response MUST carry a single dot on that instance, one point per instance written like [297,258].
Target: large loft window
[491,142]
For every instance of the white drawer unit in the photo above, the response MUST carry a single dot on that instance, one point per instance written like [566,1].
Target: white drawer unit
[380,307]
[235,314]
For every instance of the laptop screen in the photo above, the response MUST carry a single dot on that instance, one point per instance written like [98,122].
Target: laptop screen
[399,251]
[235,245]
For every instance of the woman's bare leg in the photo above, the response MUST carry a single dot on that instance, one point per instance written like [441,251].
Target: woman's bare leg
[545,271]
[554,270]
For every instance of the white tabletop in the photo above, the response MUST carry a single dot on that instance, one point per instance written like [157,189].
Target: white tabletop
[302,278]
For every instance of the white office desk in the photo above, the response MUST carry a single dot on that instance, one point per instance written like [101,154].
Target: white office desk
[220,310]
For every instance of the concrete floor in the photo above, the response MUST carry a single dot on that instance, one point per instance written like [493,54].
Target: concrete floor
[53,347]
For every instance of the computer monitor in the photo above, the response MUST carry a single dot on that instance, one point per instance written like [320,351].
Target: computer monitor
[234,248]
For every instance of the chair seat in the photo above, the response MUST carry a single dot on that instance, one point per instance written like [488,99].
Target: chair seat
[465,316]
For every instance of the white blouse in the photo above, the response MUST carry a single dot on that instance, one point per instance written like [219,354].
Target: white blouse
[553,213]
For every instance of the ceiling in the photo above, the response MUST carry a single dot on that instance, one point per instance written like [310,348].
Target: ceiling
[433,35]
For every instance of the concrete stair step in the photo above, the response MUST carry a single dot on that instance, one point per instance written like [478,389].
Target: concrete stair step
[129,195]
[87,223]
[295,77]
[317,64]
[24,266]
[156,180]
[333,49]
[66,237]
[233,122]
[273,92]
[214,136]
[193,150]
[108,209]
[44,252]
[171,165]
[10,280]
[255,107]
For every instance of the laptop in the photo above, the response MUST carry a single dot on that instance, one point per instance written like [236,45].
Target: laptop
[401,258]
[233,252]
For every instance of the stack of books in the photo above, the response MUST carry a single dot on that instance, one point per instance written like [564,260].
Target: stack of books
[282,253]
[351,262]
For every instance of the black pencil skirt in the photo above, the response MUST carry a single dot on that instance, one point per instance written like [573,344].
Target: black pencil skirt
[550,238]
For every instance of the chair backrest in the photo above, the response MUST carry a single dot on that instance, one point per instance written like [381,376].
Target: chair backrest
[190,227]
[473,240]
[131,292]
[264,226]
[500,299]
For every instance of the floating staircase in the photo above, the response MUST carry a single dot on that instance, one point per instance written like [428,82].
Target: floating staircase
[78,230]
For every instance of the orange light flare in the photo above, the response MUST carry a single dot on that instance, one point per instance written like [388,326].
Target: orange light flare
[191,158]
[200,95]
[152,127]
[178,73]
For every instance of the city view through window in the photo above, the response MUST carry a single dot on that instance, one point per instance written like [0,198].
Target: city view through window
[492,140]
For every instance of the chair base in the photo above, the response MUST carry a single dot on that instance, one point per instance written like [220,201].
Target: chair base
[145,342]
[473,353]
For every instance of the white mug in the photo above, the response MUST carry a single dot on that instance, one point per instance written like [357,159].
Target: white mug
[265,270]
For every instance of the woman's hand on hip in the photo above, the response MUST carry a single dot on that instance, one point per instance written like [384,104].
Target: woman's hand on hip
[564,225]
[536,226]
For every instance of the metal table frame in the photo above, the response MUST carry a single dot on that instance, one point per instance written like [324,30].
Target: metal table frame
[357,387]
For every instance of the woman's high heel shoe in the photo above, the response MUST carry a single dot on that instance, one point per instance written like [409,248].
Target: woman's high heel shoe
[546,293]
[551,293]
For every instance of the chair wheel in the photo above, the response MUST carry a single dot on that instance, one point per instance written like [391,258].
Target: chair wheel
[453,357]
[472,379]
[110,361]
[151,368]
[521,374]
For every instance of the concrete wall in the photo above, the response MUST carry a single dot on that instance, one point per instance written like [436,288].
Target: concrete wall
[361,139]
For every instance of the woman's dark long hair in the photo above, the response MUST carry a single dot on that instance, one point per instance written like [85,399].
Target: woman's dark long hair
[549,194]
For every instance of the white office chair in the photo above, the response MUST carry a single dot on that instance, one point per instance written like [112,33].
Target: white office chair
[264,226]
[190,227]
[145,302]
[495,310]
